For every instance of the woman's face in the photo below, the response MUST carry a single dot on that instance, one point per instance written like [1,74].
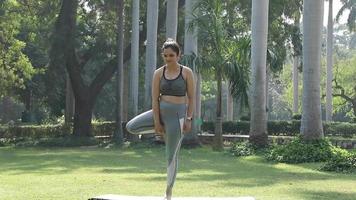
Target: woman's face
[169,56]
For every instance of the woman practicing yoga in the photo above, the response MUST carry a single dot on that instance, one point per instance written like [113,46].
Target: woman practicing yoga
[172,107]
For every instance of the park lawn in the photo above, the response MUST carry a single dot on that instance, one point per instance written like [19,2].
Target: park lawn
[81,173]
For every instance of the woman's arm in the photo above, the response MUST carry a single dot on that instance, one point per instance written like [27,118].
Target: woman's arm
[190,92]
[155,102]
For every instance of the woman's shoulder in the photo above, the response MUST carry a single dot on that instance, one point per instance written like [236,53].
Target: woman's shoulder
[160,69]
[187,69]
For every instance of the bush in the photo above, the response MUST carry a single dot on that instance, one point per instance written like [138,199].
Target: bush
[242,149]
[289,128]
[344,162]
[297,117]
[300,151]
[68,141]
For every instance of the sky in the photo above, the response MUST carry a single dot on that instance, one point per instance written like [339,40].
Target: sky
[336,7]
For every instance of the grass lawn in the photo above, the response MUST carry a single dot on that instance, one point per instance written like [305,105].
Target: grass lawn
[80,173]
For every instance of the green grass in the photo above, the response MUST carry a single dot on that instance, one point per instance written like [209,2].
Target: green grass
[80,173]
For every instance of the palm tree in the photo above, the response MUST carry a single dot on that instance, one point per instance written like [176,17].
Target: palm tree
[151,48]
[118,135]
[329,63]
[172,19]
[190,50]
[311,126]
[219,53]
[351,20]
[134,73]
[230,104]
[296,61]
[259,26]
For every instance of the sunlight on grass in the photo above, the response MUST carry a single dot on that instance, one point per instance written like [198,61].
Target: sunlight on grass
[80,173]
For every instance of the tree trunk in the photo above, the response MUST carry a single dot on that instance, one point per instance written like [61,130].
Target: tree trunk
[82,118]
[134,73]
[125,93]
[295,84]
[172,19]
[311,126]
[119,136]
[329,63]
[69,110]
[259,26]
[218,139]
[151,49]
[230,104]
[198,115]
[190,48]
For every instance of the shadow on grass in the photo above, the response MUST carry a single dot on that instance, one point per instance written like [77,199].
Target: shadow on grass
[199,164]
[317,195]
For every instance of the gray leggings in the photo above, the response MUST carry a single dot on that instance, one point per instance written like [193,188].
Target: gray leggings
[172,117]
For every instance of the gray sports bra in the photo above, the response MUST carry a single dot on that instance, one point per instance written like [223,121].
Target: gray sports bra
[173,87]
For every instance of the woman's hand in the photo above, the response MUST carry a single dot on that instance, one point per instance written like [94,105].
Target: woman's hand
[187,126]
[159,129]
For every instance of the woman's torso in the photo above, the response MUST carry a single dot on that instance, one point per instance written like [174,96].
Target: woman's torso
[173,86]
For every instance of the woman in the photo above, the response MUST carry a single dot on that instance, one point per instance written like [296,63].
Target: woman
[172,107]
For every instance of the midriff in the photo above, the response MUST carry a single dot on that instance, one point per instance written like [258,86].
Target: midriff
[173,99]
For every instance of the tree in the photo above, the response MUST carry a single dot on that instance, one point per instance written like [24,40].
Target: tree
[134,73]
[190,52]
[151,49]
[311,126]
[259,24]
[209,18]
[15,66]
[119,136]
[351,20]
[64,49]
[172,19]
[345,86]
[329,63]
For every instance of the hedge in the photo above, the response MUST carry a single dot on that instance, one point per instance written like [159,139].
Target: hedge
[50,131]
[289,128]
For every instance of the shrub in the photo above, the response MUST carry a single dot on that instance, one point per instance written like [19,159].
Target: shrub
[289,128]
[68,141]
[242,149]
[300,151]
[297,117]
[341,161]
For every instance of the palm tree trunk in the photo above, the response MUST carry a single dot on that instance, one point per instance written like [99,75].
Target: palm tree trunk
[198,115]
[151,48]
[311,126]
[134,73]
[295,84]
[118,136]
[172,19]
[218,140]
[329,63]
[259,26]
[230,104]
[191,48]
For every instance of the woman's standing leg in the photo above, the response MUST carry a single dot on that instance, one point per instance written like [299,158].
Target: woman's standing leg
[173,117]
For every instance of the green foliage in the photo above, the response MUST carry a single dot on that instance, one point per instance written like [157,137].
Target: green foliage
[345,86]
[15,67]
[288,128]
[341,161]
[300,151]
[297,117]
[242,149]
[41,132]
